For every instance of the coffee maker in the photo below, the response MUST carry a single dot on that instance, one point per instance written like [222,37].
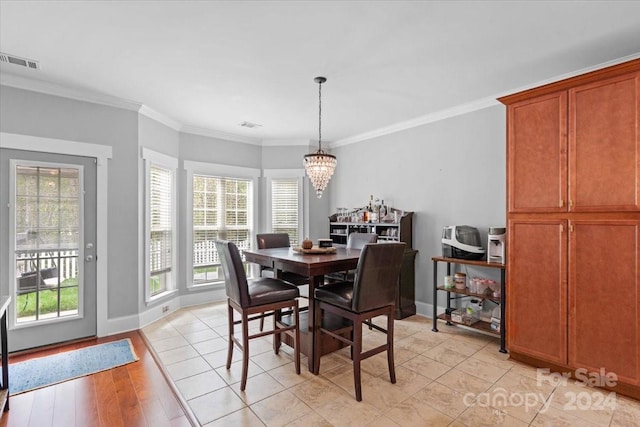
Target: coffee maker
[496,245]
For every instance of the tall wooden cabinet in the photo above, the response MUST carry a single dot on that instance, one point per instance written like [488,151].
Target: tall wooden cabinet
[573,214]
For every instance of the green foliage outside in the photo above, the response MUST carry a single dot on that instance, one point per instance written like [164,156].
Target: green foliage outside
[26,303]
[154,284]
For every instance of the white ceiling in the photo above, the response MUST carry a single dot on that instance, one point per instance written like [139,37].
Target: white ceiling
[214,64]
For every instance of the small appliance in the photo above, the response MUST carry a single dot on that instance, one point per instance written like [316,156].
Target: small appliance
[495,244]
[462,241]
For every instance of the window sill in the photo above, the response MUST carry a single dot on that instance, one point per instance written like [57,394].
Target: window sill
[206,286]
[162,296]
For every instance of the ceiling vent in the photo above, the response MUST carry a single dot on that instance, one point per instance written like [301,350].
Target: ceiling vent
[16,60]
[250,125]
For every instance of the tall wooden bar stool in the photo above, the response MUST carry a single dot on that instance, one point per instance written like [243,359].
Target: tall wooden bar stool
[371,294]
[278,240]
[256,296]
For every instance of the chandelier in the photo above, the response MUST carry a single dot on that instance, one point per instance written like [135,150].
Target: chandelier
[320,165]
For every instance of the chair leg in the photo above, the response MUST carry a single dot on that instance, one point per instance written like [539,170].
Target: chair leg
[245,350]
[230,348]
[392,369]
[357,358]
[262,322]
[277,338]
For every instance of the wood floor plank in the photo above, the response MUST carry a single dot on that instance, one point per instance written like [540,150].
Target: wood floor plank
[19,412]
[136,394]
[86,404]
[64,408]
[130,407]
[108,406]
[42,409]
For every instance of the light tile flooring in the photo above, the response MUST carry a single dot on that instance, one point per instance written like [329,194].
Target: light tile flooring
[453,377]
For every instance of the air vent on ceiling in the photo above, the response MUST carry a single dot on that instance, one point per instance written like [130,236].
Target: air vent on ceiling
[250,125]
[16,60]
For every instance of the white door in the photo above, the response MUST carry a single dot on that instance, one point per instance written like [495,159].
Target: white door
[48,229]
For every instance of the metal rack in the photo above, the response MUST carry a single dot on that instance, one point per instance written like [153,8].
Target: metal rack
[480,325]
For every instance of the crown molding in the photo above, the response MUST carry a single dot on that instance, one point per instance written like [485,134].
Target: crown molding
[48,88]
[419,121]
[220,135]
[293,142]
[161,118]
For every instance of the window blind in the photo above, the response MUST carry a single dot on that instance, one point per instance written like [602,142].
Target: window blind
[284,208]
[160,227]
[221,210]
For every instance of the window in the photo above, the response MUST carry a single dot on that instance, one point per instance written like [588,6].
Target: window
[285,196]
[222,203]
[285,203]
[160,222]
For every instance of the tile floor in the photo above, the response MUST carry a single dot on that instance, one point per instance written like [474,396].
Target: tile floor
[450,378]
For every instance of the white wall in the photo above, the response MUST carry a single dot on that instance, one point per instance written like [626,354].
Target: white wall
[450,172]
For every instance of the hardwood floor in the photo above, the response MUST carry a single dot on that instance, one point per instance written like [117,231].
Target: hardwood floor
[136,394]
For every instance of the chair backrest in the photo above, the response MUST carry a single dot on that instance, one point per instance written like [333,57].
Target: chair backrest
[376,279]
[235,279]
[358,240]
[273,240]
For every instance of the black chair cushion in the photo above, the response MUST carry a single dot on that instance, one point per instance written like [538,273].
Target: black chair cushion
[338,293]
[265,290]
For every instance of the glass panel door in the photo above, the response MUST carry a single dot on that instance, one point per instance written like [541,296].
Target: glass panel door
[48,207]
[48,257]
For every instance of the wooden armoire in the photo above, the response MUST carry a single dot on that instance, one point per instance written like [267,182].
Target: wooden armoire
[573,215]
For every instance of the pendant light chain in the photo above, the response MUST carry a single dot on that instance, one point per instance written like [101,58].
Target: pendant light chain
[320,116]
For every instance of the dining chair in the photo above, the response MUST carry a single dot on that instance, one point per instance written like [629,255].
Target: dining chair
[277,240]
[354,241]
[358,240]
[256,296]
[371,294]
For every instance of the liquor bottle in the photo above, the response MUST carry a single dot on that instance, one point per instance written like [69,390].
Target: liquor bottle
[383,210]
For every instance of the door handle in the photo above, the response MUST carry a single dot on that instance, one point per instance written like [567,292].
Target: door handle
[88,258]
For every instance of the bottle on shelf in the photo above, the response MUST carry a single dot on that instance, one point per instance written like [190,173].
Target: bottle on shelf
[383,210]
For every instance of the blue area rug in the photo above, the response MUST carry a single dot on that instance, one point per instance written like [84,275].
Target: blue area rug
[36,373]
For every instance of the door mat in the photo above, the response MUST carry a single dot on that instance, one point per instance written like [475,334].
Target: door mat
[44,371]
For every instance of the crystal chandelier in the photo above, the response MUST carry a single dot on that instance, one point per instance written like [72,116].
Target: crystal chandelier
[320,165]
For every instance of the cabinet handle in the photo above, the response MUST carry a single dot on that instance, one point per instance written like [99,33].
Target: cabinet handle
[561,203]
[571,228]
[570,203]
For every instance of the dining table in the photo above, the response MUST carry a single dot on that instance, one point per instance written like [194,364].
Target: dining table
[315,266]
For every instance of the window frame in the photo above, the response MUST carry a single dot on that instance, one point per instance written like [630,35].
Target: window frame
[215,170]
[274,174]
[153,158]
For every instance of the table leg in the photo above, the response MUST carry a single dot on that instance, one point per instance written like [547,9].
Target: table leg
[314,282]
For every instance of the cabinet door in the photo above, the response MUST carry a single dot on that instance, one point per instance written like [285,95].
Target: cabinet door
[537,154]
[536,291]
[603,139]
[604,324]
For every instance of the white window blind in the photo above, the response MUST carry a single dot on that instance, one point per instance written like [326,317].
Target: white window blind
[221,210]
[285,208]
[160,228]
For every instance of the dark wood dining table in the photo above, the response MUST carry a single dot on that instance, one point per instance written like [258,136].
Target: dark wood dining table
[315,267]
